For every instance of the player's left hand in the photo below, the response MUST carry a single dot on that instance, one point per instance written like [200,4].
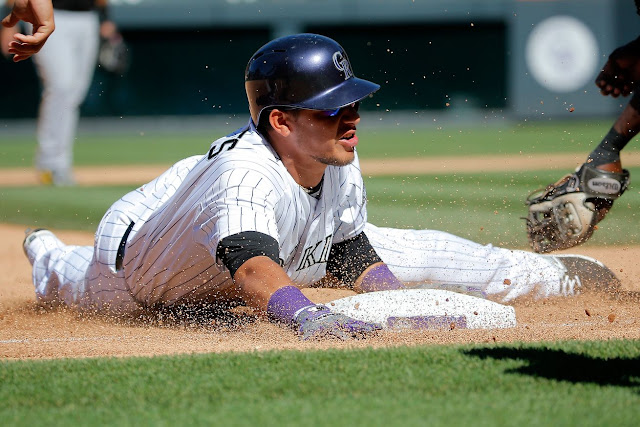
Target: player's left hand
[320,322]
[565,214]
[621,74]
[40,14]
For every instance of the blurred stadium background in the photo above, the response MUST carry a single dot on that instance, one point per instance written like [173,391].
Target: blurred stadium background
[499,59]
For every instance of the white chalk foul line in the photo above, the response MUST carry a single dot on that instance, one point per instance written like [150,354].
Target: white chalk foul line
[71,339]
[530,326]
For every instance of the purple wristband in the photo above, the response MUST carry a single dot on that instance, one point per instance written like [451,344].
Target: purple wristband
[380,278]
[286,302]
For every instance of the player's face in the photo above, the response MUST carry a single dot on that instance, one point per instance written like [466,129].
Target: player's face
[325,138]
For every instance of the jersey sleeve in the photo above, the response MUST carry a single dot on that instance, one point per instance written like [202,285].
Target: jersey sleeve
[242,199]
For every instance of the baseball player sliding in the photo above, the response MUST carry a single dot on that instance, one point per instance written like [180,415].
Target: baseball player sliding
[276,206]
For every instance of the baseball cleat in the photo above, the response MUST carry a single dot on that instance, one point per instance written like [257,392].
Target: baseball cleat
[38,242]
[584,273]
[55,178]
[45,177]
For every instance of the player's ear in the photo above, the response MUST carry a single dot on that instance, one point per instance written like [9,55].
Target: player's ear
[279,122]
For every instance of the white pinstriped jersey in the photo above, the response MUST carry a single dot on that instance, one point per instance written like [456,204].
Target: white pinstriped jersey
[239,185]
[182,215]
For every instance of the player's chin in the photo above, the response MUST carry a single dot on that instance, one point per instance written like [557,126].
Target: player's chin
[347,157]
[343,159]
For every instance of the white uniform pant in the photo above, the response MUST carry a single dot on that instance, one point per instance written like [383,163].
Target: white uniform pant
[436,257]
[84,277]
[65,65]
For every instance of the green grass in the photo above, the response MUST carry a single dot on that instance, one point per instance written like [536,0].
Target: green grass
[426,139]
[458,140]
[569,383]
[486,207]
[91,149]
[78,208]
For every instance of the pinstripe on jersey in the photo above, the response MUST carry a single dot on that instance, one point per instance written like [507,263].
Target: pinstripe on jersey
[239,185]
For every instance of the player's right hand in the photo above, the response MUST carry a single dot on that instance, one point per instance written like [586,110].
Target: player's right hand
[40,14]
[621,74]
[6,37]
[319,321]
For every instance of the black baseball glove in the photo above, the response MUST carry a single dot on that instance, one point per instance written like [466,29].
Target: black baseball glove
[113,55]
[565,214]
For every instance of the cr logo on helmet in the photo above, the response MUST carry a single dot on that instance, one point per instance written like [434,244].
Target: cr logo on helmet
[342,64]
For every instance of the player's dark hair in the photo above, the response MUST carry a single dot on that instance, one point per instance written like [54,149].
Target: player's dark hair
[264,125]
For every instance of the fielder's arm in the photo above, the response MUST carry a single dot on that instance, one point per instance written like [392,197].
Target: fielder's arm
[628,123]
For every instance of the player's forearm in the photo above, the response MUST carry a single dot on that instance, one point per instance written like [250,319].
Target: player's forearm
[377,277]
[258,278]
[628,123]
[263,284]
[606,155]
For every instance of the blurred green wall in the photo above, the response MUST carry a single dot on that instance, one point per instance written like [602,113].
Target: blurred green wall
[201,71]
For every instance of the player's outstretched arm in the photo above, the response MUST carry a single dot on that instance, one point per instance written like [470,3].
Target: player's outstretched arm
[606,155]
[37,12]
[628,123]
[565,214]
[355,263]
[378,277]
[252,260]
[263,284]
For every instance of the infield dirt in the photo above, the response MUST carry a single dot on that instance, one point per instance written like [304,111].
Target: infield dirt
[27,331]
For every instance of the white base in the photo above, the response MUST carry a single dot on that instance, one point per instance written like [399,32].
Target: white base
[425,309]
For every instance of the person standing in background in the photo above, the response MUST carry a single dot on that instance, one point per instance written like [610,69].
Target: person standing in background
[65,66]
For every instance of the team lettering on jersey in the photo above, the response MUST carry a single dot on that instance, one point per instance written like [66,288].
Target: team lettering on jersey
[227,145]
[217,149]
[309,257]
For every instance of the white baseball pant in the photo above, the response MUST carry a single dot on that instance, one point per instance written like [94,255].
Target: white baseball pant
[66,66]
